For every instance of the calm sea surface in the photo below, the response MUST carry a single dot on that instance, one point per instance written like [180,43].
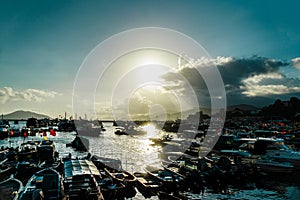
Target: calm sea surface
[136,152]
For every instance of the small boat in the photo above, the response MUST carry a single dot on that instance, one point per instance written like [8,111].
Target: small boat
[161,140]
[79,180]
[4,131]
[25,170]
[46,150]
[14,132]
[87,128]
[109,188]
[120,131]
[276,150]
[46,183]
[79,143]
[3,155]
[56,164]
[114,169]
[10,189]
[103,162]
[27,151]
[7,168]
[173,168]
[273,166]
[124,177]
[170,181]
[167,196]
[146,185]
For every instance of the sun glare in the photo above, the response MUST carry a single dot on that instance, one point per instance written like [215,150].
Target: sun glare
[150,129]
[149,61]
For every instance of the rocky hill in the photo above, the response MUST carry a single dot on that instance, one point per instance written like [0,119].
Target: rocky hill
[21,114]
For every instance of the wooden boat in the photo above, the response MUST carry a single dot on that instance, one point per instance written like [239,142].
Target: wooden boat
[109,188]
[276,150]
[124,177]
[10,189]
[103,162]
[146,185]
[46,181]
[273,166]
[87,128]
[161,140]
[188,163]
[46,150]
[79,143]
[25,170]
[169,180]
[28,151]
[7,168]
[4,131]
[167,196]
[113,169]
[3,155]
[57,165]
[79,180]
[173,168]
[120,131]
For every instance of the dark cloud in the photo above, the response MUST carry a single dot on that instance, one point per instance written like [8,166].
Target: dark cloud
[246,80]
[238,69]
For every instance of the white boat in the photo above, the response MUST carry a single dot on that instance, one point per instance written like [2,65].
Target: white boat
[276,150]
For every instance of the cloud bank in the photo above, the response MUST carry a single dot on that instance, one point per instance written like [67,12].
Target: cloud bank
[30,95]
[296,62]
[246,80]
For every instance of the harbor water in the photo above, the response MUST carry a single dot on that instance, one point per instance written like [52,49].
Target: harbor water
[136,152]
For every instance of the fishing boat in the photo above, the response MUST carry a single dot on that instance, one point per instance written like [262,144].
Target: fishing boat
[27,151]
[3,155]
[46,183]
[87,128]
[25,170]
[10,189]
[268,165]
[120,131]
[170,181]
[79,180]
[173,168]
[167,196]
[276,150]
[79,143]
[110,189]
[161,140]
[146,185]
[46,150]
[103,162]
[4,131]
[124,177]
[6,169]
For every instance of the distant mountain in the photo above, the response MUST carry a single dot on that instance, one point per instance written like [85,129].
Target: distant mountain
[21,114]
[244,107]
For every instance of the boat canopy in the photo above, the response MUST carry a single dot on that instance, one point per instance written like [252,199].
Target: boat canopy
[79,167]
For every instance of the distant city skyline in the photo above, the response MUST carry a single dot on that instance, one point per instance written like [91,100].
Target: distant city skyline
[254,44]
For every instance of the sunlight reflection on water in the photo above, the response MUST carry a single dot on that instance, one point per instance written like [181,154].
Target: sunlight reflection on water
[136,152]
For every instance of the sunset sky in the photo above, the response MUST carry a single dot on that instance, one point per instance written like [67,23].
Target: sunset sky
[254,44]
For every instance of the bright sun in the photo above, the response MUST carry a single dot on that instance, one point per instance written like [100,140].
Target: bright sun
[150,129]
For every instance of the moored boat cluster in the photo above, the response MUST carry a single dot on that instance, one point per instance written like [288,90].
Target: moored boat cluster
[245,151]
[38,172]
